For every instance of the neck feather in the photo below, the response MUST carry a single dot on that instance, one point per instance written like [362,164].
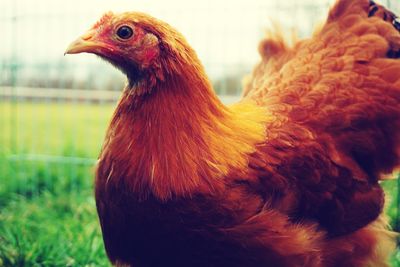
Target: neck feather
[179,139]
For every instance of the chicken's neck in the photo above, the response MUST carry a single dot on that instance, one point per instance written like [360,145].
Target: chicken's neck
[180,138]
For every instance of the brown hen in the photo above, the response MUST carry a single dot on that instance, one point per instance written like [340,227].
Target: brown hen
[289,176]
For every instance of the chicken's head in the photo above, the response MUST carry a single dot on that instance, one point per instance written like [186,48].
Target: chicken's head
[141,46]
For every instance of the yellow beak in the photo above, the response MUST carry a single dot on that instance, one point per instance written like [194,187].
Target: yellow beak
[85,43]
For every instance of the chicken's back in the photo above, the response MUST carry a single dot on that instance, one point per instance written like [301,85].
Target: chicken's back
[343,84]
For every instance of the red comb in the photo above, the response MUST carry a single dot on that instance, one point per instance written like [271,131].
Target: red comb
[104,18]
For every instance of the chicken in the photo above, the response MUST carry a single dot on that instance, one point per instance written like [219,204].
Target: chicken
[289,176]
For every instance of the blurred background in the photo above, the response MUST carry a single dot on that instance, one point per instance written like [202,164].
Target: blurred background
[54,109]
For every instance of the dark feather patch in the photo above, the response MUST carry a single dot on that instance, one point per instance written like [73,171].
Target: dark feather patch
[390,17]
[393,54]
[396,23]
[373,11]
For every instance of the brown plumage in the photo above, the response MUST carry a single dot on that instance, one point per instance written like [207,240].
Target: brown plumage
[289,176]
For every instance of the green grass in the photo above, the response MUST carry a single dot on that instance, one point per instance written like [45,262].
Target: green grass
[47,210]
[51,230]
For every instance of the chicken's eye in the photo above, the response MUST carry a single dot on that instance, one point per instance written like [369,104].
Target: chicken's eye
[125,32]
